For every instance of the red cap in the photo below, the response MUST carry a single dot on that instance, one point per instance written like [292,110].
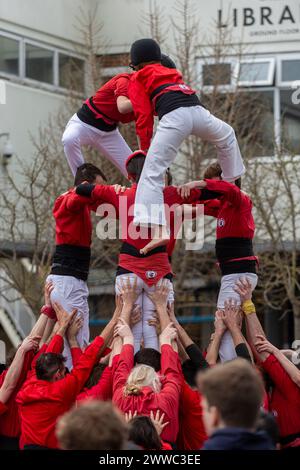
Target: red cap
[133,155]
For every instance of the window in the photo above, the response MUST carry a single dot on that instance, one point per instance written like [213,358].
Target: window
[290,122]
[25,60]
[9,55]
[39,64]
[216,74]
[272,109]
[258,72]
[71,72]
[288,70]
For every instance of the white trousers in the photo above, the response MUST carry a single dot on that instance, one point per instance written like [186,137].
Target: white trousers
[142,330]
[72,293]
[110,144]
[173,128]
[227,349]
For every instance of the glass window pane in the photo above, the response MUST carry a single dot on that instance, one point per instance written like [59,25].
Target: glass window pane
[290,118]
[9,55]
[71,72]
[39,63]
[290,70]
[216,74]
[252,72]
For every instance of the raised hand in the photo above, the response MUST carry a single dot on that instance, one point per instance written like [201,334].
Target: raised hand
[231,316]
[160,294]
[158,421]
[128,291]
[122,329]
[219,324]
[47,292]
[263,345]
[244,289]
[136,315]
[129,416]
[168,334]
[75,326]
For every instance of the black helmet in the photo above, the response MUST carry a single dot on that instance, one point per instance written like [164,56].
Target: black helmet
[144,50]
[166,61]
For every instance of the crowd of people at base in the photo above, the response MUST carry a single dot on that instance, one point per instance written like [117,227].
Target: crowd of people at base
[176,398]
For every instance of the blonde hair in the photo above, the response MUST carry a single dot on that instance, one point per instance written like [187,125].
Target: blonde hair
[142,376]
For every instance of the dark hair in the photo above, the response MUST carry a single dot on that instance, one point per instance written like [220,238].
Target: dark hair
[48,364]
[267,422]
[87,172]
[214,170]
[236,390]
[149,357]
[143,433]
[190,370]
[135,167]
[95,375]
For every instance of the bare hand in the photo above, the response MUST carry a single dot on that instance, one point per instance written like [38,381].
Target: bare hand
[30,343]
[154,321]
[244,288]
[219,324]
[128,292]
[118,306]
[168,334]
[119,189]
[160,294]
[75,326]
[63,318]
[122,329]
[263,345]
[47,292]
[129,416]
[158,421]
[231,315]
[136,315]
[184,191]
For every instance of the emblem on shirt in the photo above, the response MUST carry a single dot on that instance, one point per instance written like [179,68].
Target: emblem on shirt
[221,222]
[151,274]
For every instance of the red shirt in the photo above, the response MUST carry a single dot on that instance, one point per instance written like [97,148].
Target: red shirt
[105,99]
[142,84]
[42,402]
[192,434]
[284,400]
[72,215]
[103,390]
[3,408]
[10,422]
[167,400]
[124,209]
[233,211]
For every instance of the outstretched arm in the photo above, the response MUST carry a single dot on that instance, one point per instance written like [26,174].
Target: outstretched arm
[254,328]
[216,338]
[15,369]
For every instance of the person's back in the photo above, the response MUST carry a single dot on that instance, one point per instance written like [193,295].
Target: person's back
[105,98]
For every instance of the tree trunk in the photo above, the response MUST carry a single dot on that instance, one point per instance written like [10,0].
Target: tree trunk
[297,324]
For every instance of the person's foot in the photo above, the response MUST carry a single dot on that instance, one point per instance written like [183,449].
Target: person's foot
[160,237]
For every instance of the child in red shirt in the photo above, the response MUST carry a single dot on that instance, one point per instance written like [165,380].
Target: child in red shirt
[155,89]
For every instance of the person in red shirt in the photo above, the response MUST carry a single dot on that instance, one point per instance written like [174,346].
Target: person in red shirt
[139,389]
[70,265]
[49,394]
[154,88]
[283,375]
[96,122]
[11,378]
[146,270]
[234,239]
